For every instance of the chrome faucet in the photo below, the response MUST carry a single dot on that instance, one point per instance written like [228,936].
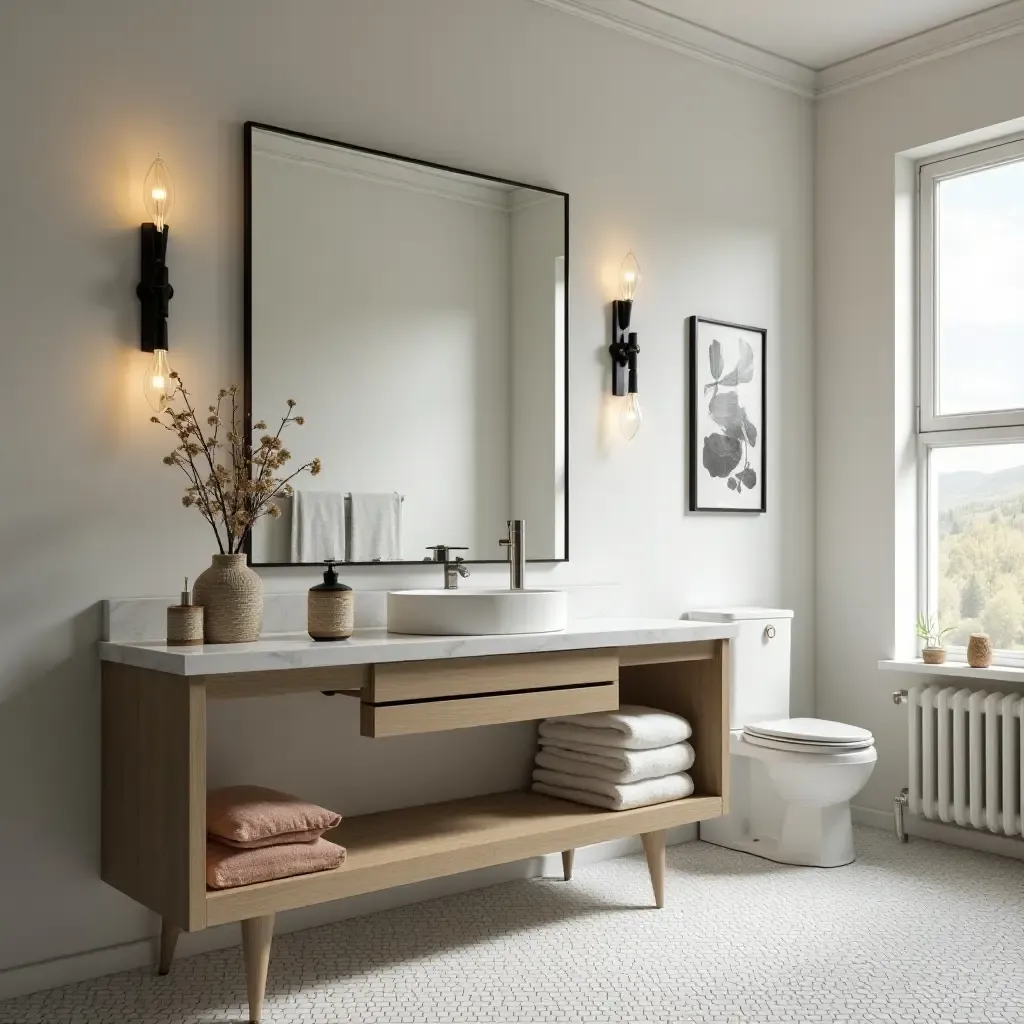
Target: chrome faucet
[453,567]
[516,544]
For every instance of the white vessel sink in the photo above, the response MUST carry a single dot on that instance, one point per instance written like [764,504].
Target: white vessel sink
[475,612]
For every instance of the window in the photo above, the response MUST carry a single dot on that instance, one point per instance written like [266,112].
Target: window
[971,397]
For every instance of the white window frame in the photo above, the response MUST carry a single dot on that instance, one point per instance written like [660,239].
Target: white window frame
[934,429]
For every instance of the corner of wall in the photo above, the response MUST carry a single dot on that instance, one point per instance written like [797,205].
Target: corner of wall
[905,462]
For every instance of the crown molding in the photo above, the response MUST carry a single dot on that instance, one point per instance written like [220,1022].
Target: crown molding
[964,34]
[637,19]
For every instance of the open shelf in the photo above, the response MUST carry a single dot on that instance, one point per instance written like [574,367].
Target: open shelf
[414,844]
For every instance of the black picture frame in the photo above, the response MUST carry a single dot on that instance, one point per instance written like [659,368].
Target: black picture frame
[696,443]
[248,128]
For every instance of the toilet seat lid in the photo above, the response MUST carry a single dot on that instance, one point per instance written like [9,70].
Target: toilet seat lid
[817,733]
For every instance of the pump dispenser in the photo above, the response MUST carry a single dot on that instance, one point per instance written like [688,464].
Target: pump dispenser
[330,607]
[185,621]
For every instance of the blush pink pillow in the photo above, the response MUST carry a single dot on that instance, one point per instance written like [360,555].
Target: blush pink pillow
[252,816]
[227,867]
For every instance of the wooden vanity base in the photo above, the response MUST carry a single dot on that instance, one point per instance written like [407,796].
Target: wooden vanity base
[169,933]
[154,779]
[654,851]
[257,937]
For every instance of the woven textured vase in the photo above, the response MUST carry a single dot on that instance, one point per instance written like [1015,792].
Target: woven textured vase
[232,598]
[933,655]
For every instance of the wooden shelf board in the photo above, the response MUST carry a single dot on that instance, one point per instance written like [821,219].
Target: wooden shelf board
[417,843]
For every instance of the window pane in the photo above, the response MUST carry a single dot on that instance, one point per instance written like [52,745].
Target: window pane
[977,547]
[980,286]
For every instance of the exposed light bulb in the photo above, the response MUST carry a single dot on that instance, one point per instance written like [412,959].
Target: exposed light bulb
[157,385]
[629,277]
[631,416]
[158,193]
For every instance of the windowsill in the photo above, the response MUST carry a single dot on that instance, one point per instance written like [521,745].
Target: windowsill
[956,669]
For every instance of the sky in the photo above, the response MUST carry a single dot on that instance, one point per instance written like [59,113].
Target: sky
[980,458]
[980,248]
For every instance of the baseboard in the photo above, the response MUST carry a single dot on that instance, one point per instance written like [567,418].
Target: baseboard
[66,970]
[872,818]
[938,832]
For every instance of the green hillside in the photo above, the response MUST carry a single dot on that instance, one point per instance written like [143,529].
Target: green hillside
[981,556]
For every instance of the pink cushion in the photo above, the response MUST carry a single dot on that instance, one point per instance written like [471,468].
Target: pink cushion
[276,840]
[227,867]
[252,816]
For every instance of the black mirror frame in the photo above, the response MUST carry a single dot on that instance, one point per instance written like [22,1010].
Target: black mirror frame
[249,126]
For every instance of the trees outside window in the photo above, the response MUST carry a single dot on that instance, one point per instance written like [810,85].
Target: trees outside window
[971,395]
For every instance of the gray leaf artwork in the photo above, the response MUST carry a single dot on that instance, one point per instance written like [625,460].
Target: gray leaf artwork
[726,449]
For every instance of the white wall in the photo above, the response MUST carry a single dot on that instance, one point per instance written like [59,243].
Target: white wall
[711,187]
[864,373]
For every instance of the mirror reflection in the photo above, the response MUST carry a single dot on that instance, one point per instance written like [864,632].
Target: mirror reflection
[418,315]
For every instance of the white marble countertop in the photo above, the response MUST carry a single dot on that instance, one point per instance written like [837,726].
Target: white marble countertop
[370,646]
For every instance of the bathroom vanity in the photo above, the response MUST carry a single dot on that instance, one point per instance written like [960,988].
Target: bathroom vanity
[154,756]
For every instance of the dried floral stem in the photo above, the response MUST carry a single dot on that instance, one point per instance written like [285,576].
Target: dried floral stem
[209,457]
[188,467]
[240,490]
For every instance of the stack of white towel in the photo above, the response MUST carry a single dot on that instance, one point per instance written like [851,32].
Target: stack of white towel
[632,757]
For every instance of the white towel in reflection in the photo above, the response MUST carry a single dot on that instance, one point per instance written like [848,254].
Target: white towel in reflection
[318,526]
[375,527]
[612,798]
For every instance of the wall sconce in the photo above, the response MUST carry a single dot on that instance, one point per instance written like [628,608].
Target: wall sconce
[624,348]
[154,290]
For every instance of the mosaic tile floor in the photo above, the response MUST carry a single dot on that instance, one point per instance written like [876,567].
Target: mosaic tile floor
[921,933]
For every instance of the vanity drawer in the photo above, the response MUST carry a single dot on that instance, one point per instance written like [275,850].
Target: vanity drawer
[420,716]
[419,680]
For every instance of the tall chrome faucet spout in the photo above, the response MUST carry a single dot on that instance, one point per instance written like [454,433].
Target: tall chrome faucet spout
[516,544]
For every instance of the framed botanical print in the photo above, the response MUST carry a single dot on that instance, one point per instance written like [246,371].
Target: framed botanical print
[727,416]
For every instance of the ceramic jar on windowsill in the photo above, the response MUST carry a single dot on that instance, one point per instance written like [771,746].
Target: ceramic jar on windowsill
[979,651]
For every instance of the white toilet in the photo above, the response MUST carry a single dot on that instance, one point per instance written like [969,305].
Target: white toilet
[792,778]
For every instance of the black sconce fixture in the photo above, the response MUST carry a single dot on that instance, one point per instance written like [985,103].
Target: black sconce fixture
[154,290]
[624,348]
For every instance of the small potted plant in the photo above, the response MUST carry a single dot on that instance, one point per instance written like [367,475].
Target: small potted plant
[933,653]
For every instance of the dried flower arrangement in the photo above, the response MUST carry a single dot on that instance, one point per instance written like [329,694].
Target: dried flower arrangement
[238,491]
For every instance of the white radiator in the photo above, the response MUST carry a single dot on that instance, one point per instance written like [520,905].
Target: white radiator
[966,766]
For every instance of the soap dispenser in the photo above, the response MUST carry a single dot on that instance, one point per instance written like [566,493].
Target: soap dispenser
[185,621]
[330,608]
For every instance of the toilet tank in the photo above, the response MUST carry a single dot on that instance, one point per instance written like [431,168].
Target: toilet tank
[760,661]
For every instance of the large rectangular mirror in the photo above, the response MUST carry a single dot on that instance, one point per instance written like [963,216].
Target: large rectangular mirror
[418,315]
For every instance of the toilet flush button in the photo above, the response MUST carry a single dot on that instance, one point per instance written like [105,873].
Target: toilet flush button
[769,632]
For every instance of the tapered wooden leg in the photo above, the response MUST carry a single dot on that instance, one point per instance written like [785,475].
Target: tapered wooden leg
[567,856]
[257,935]
[168,940]
[654,851]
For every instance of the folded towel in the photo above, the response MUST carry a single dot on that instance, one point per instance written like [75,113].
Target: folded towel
[227,867]
[253,816]
[629,766]
[318,526]
[615,798]
[375,527]
[631,728]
